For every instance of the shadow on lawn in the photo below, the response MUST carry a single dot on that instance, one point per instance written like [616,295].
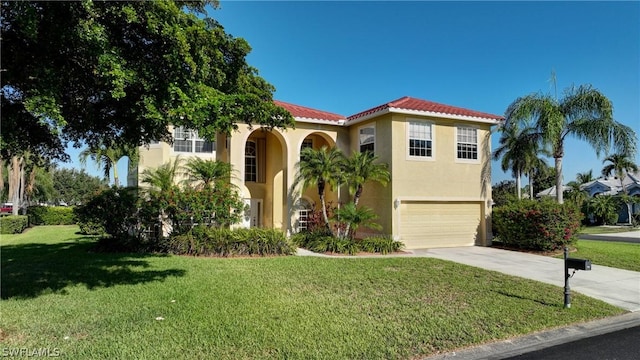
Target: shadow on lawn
[33,269]
[521,297]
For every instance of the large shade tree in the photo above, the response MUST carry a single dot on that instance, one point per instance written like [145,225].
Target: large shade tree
[584,113]
[98,72]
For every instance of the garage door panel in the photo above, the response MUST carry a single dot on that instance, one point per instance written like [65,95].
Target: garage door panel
[429,224]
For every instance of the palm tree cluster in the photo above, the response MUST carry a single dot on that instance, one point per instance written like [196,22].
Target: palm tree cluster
[330,167]
[540,123]
[107,157]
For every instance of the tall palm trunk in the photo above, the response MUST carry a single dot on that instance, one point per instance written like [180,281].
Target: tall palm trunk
[559,187]
[530,186]
[1,179]
[325,216]
[15,182]
[518,185]
[628,204]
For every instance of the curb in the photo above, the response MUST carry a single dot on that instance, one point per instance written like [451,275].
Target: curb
[544,339]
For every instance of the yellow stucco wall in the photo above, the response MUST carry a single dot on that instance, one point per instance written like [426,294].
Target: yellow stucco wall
[443,178]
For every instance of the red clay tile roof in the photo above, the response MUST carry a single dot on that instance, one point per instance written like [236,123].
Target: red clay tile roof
[409,103]
[309,113]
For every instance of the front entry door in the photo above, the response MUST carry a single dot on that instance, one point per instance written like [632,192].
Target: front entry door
[252,215]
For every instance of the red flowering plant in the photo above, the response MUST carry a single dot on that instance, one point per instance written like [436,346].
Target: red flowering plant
[536,225]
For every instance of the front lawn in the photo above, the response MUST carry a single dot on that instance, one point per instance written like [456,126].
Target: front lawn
[594,230]
[608,253]
[56,294]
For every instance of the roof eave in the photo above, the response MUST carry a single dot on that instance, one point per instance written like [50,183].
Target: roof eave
[384,111]
[340,122]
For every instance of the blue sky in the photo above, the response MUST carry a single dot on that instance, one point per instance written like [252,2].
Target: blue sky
[345,57]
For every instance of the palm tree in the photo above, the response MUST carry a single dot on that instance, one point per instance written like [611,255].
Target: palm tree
[620,164]
[107,158]
[518,147]
[585,177]
[355,217]
[361,168]
[163,178]
[321,168]
[584,113]
[206,173]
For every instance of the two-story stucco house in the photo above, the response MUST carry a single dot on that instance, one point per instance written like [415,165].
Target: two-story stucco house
[439,157]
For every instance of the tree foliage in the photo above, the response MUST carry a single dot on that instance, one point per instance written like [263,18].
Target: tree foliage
[106,73]
[320,167]
[74,186]
[584,113]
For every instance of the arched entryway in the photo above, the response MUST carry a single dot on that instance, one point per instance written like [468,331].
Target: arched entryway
[264,175]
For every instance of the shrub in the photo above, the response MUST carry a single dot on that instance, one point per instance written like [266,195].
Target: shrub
[51,215]
[604,209]
[322,241]
[380,244]
[13,224]
[116,212]
[91,228]
[202,240]
[536,225]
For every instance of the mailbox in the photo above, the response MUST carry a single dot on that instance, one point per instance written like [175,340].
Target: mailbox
[578,264]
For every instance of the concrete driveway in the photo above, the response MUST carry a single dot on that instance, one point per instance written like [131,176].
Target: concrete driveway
[614,286]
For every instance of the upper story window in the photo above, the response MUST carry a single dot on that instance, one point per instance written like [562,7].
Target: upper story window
[367,138]
[186,140]
[467,143]
[420,136]
[250,161]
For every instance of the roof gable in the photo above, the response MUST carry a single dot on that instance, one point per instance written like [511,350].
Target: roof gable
[416,106]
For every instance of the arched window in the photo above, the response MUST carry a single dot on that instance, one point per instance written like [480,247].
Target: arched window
[250,161]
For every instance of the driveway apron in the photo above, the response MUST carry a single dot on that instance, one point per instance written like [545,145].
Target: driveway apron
[614,286]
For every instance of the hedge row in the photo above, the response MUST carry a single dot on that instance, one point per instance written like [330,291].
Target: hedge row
[13,224]
[536,225]
[321,241]
[51,215]
[224,242]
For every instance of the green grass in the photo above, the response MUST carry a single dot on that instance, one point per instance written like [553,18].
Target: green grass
[608,253]
[594,230]
[56,294]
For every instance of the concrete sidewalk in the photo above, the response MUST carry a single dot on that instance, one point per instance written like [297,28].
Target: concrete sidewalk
[614,286]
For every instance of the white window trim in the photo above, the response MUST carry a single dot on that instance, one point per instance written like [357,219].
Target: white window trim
[433,140]
[193,139]
[255,144]
[478,145]
[372,126]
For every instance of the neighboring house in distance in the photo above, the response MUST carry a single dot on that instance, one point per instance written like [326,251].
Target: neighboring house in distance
[608,186]
[439,157]
[612,186]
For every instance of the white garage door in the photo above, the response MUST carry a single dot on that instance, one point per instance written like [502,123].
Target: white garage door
[439,224]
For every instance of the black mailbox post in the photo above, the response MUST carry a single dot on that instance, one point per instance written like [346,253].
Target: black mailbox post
[575,264]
